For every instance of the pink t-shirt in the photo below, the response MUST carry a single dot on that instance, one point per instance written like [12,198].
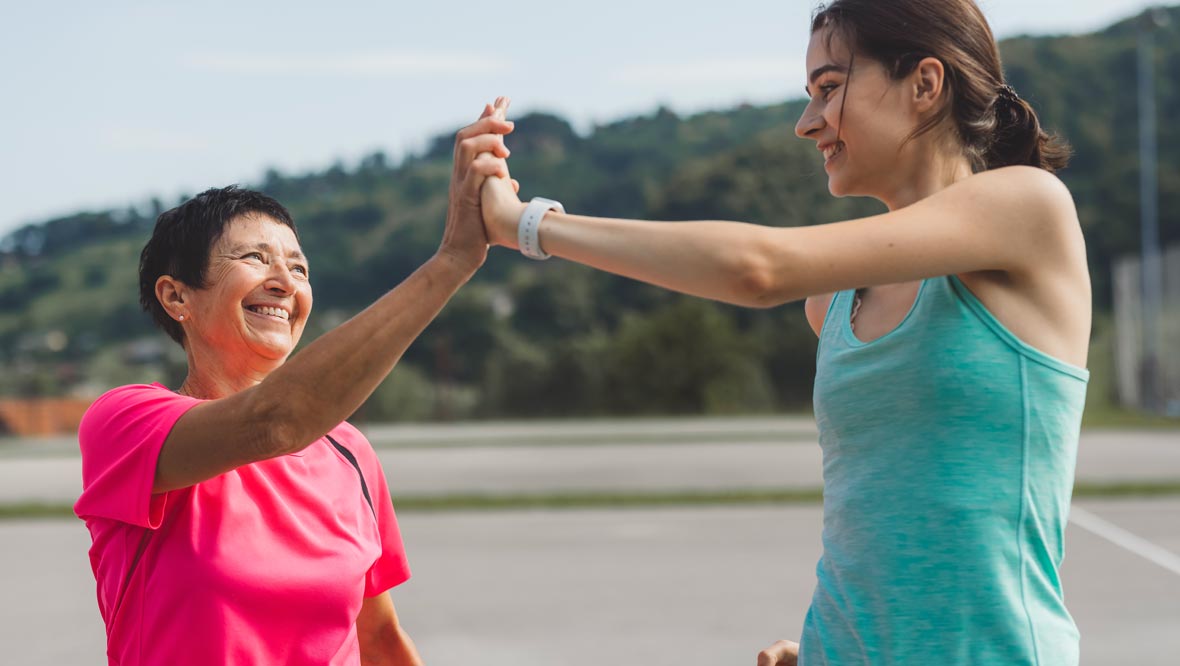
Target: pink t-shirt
[266,564]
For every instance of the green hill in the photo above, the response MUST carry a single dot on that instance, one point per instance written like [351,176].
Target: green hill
[555,337]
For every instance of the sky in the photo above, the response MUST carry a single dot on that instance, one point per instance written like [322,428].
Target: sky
[105,105]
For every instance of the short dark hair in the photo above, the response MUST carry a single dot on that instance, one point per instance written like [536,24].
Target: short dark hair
[183,237]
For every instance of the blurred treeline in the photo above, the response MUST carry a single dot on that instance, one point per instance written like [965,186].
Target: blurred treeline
[555,339]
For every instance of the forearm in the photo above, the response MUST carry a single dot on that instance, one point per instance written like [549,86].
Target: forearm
[391,647]
[329,379]
[382,640]
[724,261]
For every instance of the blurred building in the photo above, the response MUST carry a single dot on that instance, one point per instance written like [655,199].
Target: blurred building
[35,417]
[1143,382]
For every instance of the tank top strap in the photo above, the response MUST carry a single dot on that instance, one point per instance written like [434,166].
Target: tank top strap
[840,306]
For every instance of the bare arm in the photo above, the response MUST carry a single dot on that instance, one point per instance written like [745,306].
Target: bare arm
[329,379]
[383,641]
[1015,220]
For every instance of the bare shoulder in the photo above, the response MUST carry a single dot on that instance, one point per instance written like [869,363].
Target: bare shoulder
[1027,214]
[1046,210]
[816,309]
[1033,194]
[1044,295]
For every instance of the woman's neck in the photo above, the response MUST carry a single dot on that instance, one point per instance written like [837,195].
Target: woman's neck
[932,171]
[210,377]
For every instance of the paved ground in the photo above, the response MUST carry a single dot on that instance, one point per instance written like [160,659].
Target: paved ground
[657,455]
[679,585]
[703,586]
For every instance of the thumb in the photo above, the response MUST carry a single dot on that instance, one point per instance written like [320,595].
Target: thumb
[782,653]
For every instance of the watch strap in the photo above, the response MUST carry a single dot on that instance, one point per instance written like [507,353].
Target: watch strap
[528,231]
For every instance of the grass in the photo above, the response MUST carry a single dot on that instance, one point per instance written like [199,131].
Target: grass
[596,439]
[633,500]
[1109,416]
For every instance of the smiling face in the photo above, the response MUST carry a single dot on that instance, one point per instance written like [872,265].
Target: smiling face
[258,296]
[859,118]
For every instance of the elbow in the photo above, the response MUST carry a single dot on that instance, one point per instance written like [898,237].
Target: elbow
[754,288]
[275,428]
[760,281]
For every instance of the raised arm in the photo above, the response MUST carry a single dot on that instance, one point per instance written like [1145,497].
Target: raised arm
[329,379]
[1017,220]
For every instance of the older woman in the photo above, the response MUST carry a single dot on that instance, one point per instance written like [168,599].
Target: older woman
[239,519]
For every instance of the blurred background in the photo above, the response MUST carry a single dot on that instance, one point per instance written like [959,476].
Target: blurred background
[346,116]
[115,112]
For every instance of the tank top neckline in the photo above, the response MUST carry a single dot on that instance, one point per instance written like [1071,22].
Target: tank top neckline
[841,308]
[846,319]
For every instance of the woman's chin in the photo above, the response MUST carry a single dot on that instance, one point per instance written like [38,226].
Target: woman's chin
[841,187]
[274,347]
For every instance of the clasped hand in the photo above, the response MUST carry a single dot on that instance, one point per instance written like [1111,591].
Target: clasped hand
[479,156]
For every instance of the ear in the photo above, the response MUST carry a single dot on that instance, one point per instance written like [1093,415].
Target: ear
[928,81]
[171,293]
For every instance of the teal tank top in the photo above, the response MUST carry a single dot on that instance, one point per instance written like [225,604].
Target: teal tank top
[948,458]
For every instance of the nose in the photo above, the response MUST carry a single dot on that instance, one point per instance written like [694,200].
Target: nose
[279,280]
[809,123]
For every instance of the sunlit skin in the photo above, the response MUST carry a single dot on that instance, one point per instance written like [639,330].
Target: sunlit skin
[1010,234]
[231,346]
[259,405]
[868,117]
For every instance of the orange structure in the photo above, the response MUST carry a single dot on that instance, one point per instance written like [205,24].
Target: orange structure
[41,416]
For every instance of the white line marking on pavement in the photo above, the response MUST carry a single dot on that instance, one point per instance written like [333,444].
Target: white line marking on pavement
[1122,538]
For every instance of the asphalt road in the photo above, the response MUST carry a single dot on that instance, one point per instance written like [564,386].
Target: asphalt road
[688,586]
[646,456]
[682,586]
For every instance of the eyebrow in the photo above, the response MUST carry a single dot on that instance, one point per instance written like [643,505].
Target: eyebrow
[293,254]
[820,71]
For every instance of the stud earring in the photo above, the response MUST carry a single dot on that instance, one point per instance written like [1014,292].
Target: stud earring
[181,317]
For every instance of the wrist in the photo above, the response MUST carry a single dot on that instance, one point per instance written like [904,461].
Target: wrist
[452,266]
[508,219]
[528,234]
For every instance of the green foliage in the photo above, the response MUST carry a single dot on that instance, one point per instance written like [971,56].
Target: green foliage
[525,379]
[555,339]
[685,357]
[406,395]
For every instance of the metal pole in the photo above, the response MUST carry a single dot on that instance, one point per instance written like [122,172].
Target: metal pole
[1149,211]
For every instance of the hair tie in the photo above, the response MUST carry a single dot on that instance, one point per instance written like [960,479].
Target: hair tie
[1007,93]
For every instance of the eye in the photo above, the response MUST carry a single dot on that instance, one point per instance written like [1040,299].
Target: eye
[823,90]
[254,255]
[299,268]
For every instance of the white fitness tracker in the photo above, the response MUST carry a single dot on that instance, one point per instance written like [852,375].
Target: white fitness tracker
[527,235]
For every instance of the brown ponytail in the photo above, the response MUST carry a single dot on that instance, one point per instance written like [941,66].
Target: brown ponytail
[997,128]
[1019,139]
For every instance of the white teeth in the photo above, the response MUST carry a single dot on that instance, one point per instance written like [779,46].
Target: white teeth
[273,312]
[833,150]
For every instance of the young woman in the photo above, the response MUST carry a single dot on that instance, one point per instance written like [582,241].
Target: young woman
[953,337]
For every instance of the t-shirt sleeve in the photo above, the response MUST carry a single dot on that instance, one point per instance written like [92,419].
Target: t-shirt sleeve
[392,567]
[120,436]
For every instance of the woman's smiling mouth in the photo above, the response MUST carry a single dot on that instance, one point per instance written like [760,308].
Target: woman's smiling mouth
[832,151]
[270,311]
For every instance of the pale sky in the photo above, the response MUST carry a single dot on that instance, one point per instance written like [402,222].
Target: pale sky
[108,104]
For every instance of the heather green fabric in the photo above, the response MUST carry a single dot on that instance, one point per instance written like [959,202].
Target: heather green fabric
[948,453]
